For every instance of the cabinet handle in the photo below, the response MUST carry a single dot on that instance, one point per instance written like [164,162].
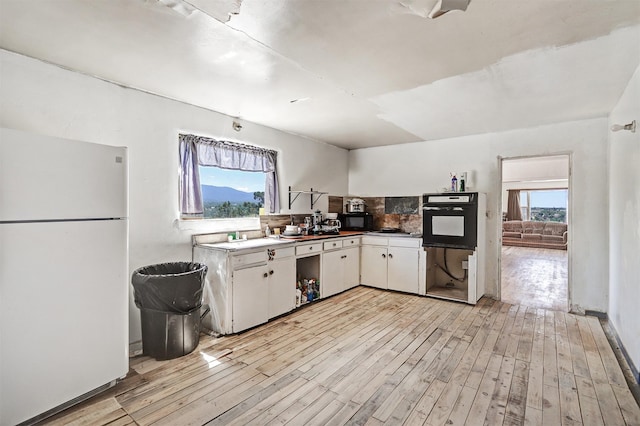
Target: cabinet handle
[310,248]
[384,255]
[270,272]
[265,275]
[343,257]
[390,256]
[334,244]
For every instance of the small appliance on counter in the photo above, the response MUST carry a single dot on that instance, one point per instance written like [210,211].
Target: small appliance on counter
[355,205]
[318,225]
[331,226]
[356,221]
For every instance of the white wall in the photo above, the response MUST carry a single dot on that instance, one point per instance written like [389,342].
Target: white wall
[45,99]
[413,169]
[536,169]
[624,224]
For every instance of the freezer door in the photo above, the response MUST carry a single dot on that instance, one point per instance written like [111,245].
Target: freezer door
[63,313]
[45,178]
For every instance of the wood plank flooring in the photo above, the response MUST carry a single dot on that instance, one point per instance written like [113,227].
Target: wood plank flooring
[535,277]
[372,357]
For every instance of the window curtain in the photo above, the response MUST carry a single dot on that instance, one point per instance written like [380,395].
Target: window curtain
[513,205]
[198,150]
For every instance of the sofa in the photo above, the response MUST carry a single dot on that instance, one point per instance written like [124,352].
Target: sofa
[527,233]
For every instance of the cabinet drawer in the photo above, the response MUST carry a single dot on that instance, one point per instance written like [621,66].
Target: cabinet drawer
[308,248]
[241,260]
[350,242]
[374,241]
[280,253]
[332,244]
[405,242]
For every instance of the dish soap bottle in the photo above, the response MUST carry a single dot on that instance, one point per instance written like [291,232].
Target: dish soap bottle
[267,231]
[454,184]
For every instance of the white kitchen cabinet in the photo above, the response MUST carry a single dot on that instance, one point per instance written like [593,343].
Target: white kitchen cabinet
[351,267]
[340,266]
[402,269]
[249,289]
[274,283]
[373,269]
[246,287]
[281,286]
[332,272]
[393,263]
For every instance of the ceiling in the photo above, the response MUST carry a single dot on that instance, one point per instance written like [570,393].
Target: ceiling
[352,73]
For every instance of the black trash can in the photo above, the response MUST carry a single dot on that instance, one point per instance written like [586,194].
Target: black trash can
[169,296]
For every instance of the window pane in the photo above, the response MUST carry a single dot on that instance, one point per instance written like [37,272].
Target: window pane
[523,198]
[231,193]
[549,205]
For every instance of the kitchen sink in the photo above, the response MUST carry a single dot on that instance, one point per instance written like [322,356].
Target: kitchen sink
[249,244]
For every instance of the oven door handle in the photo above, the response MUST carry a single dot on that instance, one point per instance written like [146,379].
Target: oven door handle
[443,209]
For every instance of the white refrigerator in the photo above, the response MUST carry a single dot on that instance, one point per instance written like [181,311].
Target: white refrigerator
[63,272]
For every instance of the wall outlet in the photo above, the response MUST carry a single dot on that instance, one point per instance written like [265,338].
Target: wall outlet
[465,264]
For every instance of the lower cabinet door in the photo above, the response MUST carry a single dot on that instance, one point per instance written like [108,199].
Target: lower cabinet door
[249,297]
[282,286]
[351,261]
[403,269]
[373,270]
[331,279]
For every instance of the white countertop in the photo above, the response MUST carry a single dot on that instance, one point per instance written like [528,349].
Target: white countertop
[248,244]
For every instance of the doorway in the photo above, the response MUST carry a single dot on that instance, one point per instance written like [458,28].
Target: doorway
[535,250]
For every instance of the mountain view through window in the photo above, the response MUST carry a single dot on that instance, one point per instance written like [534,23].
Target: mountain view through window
[231,193]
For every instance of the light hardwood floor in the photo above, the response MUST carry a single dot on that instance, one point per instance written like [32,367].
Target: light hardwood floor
[535,277]
[370,356]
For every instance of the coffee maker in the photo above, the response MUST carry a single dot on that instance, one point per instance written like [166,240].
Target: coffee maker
[317,222]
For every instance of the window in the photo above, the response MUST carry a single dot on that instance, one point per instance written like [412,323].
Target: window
[200,157]
[231,193]
[548,205]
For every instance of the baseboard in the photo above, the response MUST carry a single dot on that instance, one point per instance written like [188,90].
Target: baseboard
[601,315]
[614,333]
[135,348]
[625,354]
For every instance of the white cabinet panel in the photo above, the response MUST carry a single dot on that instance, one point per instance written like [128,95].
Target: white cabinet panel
[375,241]
[281,286]
[332,245]
[403,268]
[308,249]
[391,263]
[332,273]
[249,291]
[351,263]
[373,262]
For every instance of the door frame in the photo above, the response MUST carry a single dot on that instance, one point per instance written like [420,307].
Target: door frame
[570,209]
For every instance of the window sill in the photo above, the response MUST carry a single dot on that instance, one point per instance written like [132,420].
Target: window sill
[218,225]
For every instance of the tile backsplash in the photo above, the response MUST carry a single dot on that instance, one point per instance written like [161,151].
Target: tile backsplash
[406,222]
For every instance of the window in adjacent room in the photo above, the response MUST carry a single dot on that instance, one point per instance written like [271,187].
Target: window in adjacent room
[222,179]
[544,205]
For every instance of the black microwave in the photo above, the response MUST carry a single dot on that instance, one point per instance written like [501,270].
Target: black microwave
[356,221]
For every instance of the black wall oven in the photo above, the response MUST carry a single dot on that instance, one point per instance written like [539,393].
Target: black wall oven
[356,221]
[450,220]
